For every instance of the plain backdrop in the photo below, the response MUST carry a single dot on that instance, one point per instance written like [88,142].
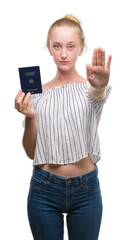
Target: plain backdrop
[23,31]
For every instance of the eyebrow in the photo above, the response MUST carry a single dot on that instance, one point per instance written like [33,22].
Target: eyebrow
[68,42]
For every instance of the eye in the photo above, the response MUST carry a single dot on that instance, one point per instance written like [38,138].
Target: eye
[71,46]
[56,46]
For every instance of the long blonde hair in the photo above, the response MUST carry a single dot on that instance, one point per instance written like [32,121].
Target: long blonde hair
[67,20]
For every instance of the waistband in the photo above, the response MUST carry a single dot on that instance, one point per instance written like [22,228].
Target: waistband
[65,180]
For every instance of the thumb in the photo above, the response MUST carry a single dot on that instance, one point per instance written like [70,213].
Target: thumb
[88,66]
[88,70]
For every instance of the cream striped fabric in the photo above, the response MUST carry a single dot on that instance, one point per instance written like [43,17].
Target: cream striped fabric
[68,120]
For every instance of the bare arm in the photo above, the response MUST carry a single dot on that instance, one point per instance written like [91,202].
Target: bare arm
[23,103]
[29,137]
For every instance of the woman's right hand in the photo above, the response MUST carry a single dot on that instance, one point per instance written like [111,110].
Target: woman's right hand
[23,104]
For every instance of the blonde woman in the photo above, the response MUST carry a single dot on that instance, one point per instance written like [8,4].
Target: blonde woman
[60,136]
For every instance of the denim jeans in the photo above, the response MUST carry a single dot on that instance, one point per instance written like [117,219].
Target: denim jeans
[52,195]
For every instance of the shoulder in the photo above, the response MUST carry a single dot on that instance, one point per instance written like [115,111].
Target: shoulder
[47,85]
[82,80]
[44,86]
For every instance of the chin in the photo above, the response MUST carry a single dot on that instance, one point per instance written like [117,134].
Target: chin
[65,67]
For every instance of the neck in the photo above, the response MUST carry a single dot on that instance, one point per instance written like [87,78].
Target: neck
[65,77]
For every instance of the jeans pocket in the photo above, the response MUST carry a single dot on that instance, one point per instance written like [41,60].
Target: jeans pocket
[37,183]
[92,184]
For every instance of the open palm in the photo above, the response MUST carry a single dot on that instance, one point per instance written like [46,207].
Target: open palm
[98,73]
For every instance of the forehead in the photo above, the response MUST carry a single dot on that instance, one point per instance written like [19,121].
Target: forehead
[64,33]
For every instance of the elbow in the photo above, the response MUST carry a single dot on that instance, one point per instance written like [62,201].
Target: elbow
[28,151]
[30,155]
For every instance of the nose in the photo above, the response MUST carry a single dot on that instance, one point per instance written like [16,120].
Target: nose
[63,53]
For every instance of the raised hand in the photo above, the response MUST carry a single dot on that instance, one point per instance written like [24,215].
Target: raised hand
[98,73]
[23,104]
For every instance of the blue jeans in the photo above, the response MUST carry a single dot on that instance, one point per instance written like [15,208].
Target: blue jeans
[52,195]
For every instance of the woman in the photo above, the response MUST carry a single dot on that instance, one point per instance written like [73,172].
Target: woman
[61,138]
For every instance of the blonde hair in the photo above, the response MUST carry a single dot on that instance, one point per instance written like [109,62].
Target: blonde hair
[68,20]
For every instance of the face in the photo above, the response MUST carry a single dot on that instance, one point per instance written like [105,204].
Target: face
[65,46]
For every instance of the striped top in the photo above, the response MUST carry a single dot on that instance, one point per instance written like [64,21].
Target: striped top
[68,120]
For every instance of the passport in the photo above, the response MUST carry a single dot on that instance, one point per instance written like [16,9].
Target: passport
[30,79]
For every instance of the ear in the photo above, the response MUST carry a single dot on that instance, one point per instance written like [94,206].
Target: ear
[81,50]
[49,50]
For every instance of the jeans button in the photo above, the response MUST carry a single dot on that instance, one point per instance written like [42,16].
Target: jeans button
[69,181]
[47,181]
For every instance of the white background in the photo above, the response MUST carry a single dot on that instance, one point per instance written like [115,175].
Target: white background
[24,27]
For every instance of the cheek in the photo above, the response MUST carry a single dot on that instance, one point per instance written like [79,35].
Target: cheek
[55,54]
[56,58]
[75,55]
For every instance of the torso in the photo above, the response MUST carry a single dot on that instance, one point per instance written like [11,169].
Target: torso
[82,166]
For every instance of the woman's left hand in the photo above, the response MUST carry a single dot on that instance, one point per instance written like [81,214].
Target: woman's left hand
[98,74]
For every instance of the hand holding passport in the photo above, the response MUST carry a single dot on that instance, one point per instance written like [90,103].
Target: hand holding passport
[30,79]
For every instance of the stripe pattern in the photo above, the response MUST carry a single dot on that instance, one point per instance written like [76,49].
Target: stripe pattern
[68,120]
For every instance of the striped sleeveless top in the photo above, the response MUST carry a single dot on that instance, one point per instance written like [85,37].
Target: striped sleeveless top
[68,120]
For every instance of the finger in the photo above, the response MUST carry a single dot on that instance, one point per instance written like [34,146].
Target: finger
[88,70]
[20,99]
[94,58]
[109,62]
[18,94]
[97,69]
[98,57]
[26,99]
[103,57]
[30,102]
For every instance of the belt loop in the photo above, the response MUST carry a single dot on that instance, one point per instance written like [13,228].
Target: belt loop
[50,176]
[81,181]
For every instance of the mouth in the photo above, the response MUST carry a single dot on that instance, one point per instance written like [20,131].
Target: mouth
[64,62]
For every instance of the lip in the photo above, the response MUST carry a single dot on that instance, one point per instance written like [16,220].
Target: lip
[64,62]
